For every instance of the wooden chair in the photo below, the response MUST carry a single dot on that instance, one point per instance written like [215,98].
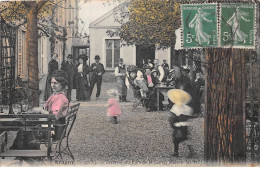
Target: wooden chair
[41,126]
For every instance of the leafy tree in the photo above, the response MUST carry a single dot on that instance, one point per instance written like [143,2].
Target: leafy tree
[30,13]
[148,22]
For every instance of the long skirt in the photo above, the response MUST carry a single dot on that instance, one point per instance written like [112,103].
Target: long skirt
[82,88]
[122,89]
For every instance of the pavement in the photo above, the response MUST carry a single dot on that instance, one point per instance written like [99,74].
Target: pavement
[139,139]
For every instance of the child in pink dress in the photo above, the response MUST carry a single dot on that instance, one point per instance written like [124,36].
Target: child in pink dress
[113,109]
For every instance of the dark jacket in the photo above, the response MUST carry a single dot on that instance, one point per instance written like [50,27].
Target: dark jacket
[52,66]
[99,69]
[70,70]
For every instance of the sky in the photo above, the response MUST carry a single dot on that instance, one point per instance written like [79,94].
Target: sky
[91,10]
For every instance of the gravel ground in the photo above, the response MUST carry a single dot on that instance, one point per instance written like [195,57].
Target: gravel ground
[140,139]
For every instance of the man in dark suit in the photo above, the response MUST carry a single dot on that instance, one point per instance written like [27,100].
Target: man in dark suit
[52,66]
[165,65]
[69,68]
[97,70]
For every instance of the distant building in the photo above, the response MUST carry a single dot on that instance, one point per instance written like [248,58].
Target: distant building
[110,49]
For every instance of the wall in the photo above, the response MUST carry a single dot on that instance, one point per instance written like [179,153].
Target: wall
[97,47]
[163,55]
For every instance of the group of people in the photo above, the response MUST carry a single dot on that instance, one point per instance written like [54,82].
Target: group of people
[80,76]
[143,81]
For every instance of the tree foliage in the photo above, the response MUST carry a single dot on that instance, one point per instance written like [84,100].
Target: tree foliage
[148,22]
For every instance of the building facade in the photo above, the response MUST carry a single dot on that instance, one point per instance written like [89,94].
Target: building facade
[66,16]
[110,49]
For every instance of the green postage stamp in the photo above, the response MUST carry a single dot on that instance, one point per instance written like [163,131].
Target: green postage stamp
[237,25]
[200,25]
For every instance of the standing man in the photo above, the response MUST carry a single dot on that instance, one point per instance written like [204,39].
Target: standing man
[166,70]
[159,69]
[52,66]
[98,70]
[120,73]
[69,68]
[165,64]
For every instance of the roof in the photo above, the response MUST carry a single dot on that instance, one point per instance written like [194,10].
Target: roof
[105,16]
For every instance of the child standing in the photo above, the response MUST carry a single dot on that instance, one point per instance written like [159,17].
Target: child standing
[180,113]
[114,109]
[141,82]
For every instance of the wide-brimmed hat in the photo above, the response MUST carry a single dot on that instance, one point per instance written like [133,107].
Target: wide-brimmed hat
[97,57]
[112,92]
[83,57]
[179,97]
[185,68]
[146,66]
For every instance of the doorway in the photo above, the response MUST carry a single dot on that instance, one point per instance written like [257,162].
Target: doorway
[143,53]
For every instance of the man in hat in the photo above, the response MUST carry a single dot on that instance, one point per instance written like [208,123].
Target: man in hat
[98,70]
[120,73]
[69,68]
[166,70]
[159,69]
[165,65]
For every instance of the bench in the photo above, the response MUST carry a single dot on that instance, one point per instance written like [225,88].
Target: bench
[40,124]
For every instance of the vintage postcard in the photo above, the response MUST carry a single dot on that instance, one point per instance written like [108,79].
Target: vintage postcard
[129,83]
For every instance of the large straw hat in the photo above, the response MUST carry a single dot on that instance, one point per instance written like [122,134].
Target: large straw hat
[179,97]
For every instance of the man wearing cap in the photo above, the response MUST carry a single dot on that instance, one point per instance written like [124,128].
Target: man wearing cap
[69,68]
[159,69]
[120,73]
[98,70]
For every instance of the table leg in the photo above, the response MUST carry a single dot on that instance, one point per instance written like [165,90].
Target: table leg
[158,108]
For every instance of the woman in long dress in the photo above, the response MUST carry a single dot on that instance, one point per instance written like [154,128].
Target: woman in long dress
[196,22]
[83,83]
[234,23]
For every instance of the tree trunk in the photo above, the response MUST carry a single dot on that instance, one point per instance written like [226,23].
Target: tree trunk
[225,110]
[32,55]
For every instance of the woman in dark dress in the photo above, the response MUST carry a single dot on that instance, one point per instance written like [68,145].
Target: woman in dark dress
[52,66]
[83,83]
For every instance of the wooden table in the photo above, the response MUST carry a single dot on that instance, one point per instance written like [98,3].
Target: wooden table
[30,123]
[159,88]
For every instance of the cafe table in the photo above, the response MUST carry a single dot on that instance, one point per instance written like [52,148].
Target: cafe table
[159,88]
